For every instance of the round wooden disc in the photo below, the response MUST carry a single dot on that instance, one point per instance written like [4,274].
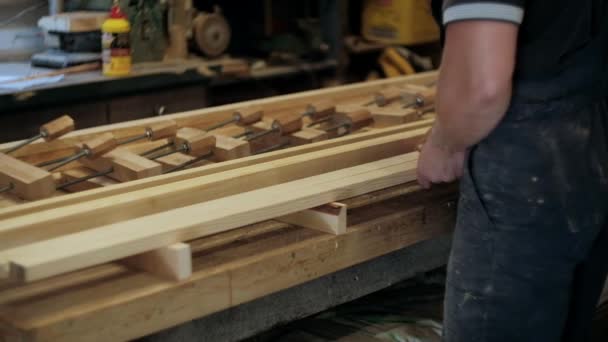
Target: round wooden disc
[211,33]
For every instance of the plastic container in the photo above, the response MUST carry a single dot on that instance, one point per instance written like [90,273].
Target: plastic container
[404,22]
[116,47]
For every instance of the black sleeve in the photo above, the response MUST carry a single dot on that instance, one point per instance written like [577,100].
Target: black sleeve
[502,10]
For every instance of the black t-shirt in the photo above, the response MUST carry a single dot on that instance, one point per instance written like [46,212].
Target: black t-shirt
[554,34]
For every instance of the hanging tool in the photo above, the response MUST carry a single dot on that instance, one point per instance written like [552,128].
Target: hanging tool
[48,132]
[91,149]
[246,116]
[155,131]
[386,96]
[191,141]
[319,112]
[352,120]
[282,124]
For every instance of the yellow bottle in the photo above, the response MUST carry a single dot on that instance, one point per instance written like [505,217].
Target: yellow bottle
[116,48]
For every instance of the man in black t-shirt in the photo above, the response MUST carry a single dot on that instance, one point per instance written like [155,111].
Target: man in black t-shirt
[522,120]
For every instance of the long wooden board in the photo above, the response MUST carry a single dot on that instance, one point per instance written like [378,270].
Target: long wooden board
[56,202]
[72,252]
[54,222]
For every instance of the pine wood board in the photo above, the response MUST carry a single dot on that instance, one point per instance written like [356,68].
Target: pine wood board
[123,305]
[127,238]
[73,218]
[39,206]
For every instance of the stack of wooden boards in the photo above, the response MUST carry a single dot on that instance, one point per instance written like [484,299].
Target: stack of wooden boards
[74,266]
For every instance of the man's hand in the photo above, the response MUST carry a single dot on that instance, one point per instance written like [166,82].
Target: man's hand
[437,164]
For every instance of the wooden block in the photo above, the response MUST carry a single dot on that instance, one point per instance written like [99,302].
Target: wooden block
[392,115]
[307,136]
[264,125]
[231,130]
[177,159]
[100,145]
[198,142]
[103,162]
[56,128]
[28,181]
[357,118]
[321,109]
[162,129]
[329,218]
[288,123]
[386,96]
[80,172]
[129,166]
[173,262]
[227,148]
[249,115]
[271,139]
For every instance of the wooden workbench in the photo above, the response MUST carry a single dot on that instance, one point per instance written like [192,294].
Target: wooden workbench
[235,272]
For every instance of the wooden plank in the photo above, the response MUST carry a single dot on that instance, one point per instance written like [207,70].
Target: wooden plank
[73,218]
[329,218]
[140,235]
[209,170]
[172,262]
[55,309]
[391,116]
[27,181]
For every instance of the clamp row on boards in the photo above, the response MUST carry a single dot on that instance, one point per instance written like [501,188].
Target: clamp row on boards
[247,132]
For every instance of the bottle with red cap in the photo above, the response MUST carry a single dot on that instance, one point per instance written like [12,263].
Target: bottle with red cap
[116,47]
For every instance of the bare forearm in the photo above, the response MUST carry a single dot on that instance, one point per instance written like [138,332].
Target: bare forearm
[475,81]
[466,116]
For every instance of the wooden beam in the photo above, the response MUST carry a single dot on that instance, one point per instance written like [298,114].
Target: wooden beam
[27,181]
[329,218]
[172,262]
[127,238]
[46,204]
[74,218]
